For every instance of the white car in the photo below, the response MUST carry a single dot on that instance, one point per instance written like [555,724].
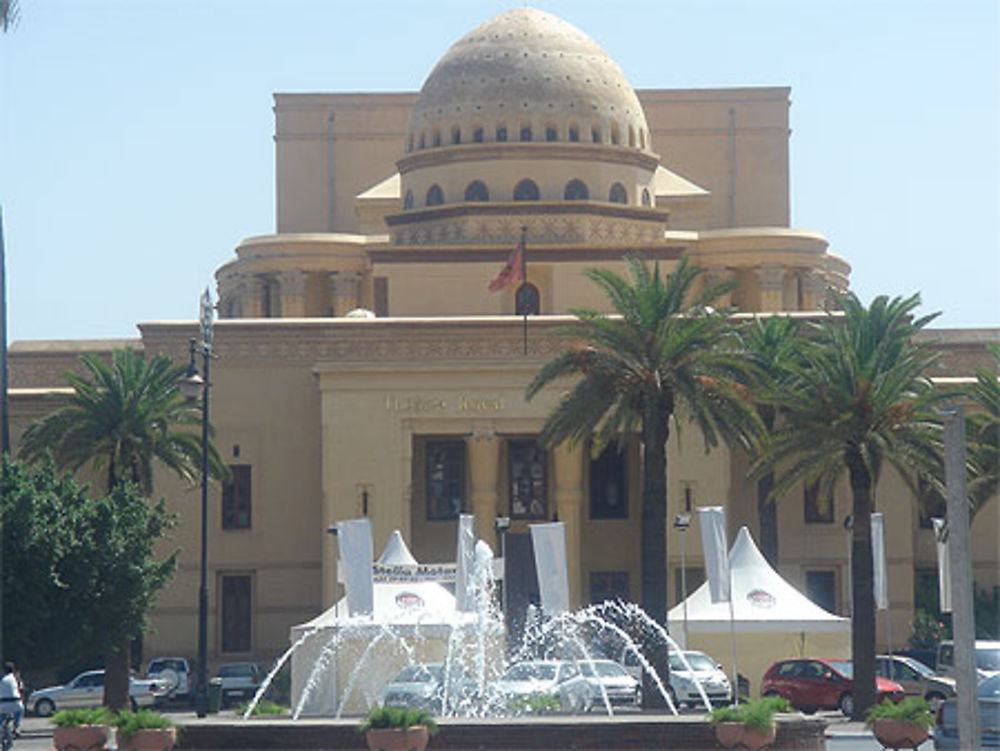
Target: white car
[619,687]
[706,671]
[175,673]
[558,679]
[87,690]
[240,681]
[987,657]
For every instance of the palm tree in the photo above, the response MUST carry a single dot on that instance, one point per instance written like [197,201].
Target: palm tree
[984,435]
[772,342]
[859,398]
[120,417]
[8,14]
[665,352]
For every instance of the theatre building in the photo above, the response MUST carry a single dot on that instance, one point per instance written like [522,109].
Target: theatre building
[365,369]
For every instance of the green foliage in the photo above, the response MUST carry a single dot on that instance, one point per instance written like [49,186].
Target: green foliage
[384,717]
[264,707]
[983,431]
[757,714]
[913,709]
[79,575]
[129,723]
[533,704]
[74,718]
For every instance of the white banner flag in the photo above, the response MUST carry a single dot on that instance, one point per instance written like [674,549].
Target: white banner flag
[880,574]
[944,563]
[465,552]
[712,520]
[549,542]
[355,540]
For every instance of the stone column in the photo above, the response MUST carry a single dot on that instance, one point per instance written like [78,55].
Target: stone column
[814,289]
[484,479]
[715,276]
[253,295]
[771,283]
[344,291]
[292,286]
[568,465]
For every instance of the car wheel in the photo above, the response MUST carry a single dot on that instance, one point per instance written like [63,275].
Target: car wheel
[934,700]
[45,707]
[846,705]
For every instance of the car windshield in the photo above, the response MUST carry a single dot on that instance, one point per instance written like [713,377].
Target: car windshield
[697,660]
[531,672]
[604,669]
[419,674]
[843,667]
[920,668]
[990,688]
[231,671]
[159,665]
[988,659]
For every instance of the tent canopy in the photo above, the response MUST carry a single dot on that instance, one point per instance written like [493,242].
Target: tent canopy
[762,600]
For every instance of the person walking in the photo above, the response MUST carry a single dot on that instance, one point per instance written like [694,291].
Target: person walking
[10,696]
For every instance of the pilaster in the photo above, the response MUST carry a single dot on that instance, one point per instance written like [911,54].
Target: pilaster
[484,462]
[568,465]
[344,291]
[292,287]
[771,284]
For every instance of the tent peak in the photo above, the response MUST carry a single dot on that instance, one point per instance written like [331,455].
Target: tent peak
[396,553]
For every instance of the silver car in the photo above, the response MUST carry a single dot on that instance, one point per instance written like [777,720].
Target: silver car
[423,687]
[609,678]
[560,680]
[946,730]
[87,690]
[704,670]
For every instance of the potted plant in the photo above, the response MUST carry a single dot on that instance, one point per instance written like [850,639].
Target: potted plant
[84,729]
[397,729]
[144,730]
[903,725]
[750,725]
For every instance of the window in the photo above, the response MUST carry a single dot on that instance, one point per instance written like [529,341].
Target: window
[477,135]
[435,196]
[576,190]
[423,140]
[380,292]
[456,135]
[502,133]
[526,190]
[595,134]
[236,494]
[614,134]
[574,133]
[693,577]
[817,510]
[526,300]
[527,470]
[437,138]
[445,479]
[617,194]
[236,612]
[930,504]
[408,200]
[609,485]
[525,132]
[821,588]
[551,134]
[608,586]
[646,199]
[477,191]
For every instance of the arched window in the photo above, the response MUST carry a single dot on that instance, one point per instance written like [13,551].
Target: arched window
[408,200]
[477,135]
[435,196]
[646,198]
[617,194]
[631,136]
[501,133]
[526,190]
[423,141]
[642,138]
[456,135]
[527,300]
[525,132]
[409,143]
[437,138]
[574,134]
[477,191]
[595,134]
[614,133]
[576,190]
[551,134]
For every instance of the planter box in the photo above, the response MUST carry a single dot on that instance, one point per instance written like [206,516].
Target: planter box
[162,739]
[897,734]
[738,735]
[82,738]
[397,739]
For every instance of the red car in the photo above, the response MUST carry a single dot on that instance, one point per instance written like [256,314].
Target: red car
[811,684]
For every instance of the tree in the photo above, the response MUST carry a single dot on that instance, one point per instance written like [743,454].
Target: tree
[984,434]
[772,342]
[78,574]
[859,398]
[8,14]
[120,418]
[665,353]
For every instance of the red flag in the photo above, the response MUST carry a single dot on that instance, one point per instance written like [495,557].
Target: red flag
[512,272]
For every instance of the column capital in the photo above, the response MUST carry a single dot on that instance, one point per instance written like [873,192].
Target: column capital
[771,277]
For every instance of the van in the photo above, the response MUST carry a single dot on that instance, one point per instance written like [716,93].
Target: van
[987,658]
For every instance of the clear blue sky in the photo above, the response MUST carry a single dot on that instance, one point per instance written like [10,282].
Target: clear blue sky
[136,136]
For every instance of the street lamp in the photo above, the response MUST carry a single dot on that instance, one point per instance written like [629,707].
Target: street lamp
[681,523]
[194,385]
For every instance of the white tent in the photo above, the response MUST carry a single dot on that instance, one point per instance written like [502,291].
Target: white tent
[771,618]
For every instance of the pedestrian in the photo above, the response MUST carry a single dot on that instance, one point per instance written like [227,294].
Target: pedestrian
[10,696]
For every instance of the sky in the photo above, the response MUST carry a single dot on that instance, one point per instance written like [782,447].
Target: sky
[136,136]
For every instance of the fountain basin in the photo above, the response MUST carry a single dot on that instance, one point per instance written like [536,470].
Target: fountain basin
[631,732]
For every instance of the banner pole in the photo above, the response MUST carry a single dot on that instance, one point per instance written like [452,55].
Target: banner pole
[732,640]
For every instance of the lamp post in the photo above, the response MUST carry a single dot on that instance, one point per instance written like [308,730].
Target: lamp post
[681,523]
[192,386]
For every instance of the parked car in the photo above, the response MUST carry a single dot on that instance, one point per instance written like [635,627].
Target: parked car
[240,681]
[619,687]
[422,686]
[559,679]
[946,727]
[811,684]
[87,690]
[706,671]
[175,673]
[916,678]
[987,658]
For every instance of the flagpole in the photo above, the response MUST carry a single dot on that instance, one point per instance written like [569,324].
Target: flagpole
[732,639]
[524,281]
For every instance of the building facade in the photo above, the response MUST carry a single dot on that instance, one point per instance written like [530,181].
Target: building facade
[364,369]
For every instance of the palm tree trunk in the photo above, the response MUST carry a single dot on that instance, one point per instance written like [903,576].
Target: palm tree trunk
[862,595]
[653,546]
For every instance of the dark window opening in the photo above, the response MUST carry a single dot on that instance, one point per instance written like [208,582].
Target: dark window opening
[527,474]
[525,132]
[445,479]
[818,509]
[526,190]
[408,200]
[381,294]
[456,135]
[236,613]
[435,196]
[821,588]
[576,190]
[437,138]
[595,135]
[477,191]
[477,135]
[646,198]
[236,498]
[551,134]
[574,134]
[687,580]
[527,300]
[501,133]
[609,484]
[617,194]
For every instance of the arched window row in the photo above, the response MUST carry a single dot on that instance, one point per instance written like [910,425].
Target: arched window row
[574,132]
[526,190]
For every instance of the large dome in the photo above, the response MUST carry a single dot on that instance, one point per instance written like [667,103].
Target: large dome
[527,75]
